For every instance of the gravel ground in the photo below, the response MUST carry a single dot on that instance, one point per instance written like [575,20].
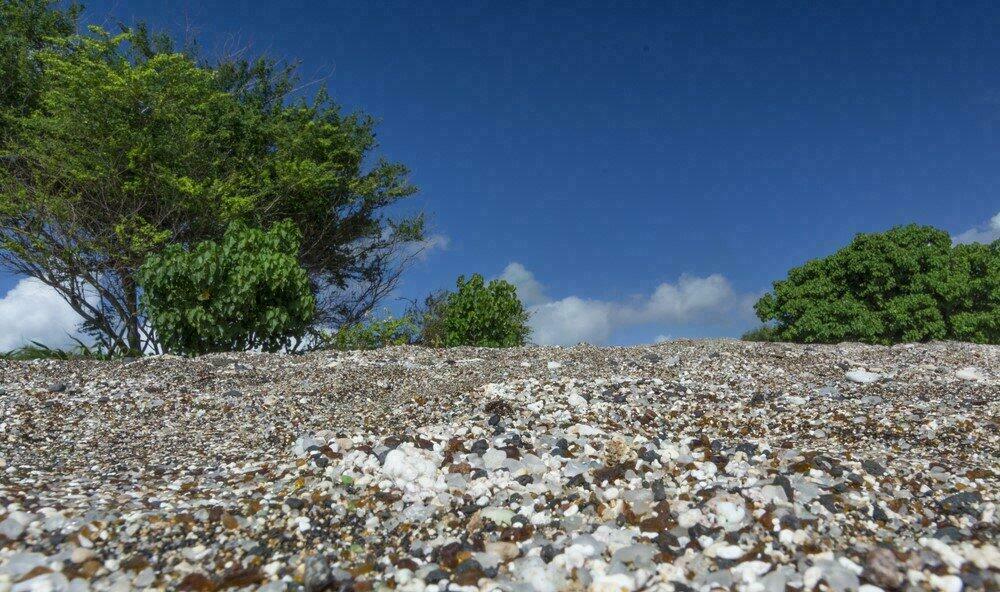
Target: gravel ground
[686,465]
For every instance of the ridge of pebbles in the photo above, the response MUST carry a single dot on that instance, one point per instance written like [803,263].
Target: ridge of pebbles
[689,465]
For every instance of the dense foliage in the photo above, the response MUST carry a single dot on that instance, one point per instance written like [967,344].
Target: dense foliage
[115,146]
[28,27]
[246,292]
[476,314]
[371,334]
[907,284]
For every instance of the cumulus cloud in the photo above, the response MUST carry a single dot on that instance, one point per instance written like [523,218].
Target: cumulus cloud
[529,290]
[986,233]
[32,311]
[690,297]
[574,319]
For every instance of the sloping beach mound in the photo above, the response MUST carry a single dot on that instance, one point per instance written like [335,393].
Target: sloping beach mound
[686,465]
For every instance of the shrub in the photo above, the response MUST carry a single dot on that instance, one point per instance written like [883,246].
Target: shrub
[247,292]
[430,319]
[372,335]
[762,333]
[906,284]
[477,314]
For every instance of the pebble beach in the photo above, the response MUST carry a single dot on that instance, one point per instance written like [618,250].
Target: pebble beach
[687,465]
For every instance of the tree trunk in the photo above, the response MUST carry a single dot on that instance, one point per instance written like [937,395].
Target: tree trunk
[132,306]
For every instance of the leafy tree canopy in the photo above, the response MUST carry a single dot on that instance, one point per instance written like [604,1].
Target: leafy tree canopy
[26,28]
[247,292]
[907,284]
[129,146]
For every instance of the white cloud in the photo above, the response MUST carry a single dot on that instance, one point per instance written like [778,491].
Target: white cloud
[573,319]
[986,233]
[434,242]
[690,297]
[529,290]
[32,311]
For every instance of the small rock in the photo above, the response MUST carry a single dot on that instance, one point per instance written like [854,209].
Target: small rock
[972,373]
[966,502]
[873,467]
[318,575]
[468,573]
[862,376]
[493,458]
[12,526]
[883,569]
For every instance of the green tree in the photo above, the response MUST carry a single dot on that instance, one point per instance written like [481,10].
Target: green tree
[131,147]
[28,27]
[247,292]
[906,284]
[973,293]
[477,314]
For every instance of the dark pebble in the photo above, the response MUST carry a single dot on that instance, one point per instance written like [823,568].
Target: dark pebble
[666,541]
[949,533]
[790,521]
[966,502]
[829,502]
[974,579]
[783,482]
[659,491]
[873,468]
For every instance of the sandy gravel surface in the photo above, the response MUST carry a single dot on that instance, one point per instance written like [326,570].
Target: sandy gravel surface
[686,465]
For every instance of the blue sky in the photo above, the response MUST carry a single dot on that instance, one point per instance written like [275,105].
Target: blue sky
[649,166]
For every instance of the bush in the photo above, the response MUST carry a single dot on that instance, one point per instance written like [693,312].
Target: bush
[906,284]
[430,319]
[249,292]
[763,333]
[372,335]
[477,314]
